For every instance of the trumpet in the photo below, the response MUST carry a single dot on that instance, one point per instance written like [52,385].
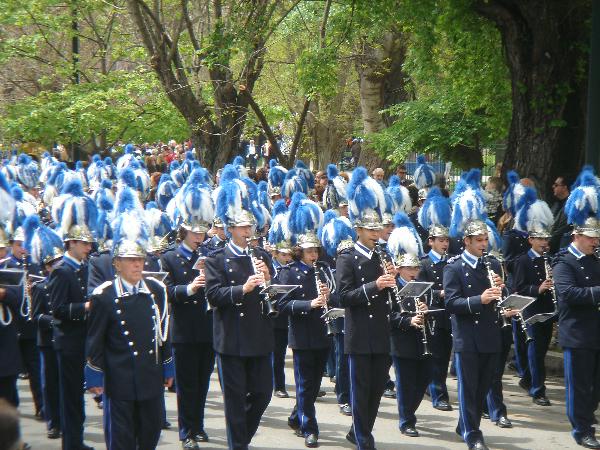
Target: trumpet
[548,271]
[326,306]
[490,272]
[267,302]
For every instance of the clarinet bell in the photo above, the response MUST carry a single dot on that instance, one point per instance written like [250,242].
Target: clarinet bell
[329,329]
[271,311]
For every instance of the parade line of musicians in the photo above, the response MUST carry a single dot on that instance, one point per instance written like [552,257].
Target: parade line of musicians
[106,291]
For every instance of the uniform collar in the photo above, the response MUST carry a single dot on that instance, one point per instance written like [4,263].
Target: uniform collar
[303,266]
[435,256]
[186,251]
[402,282]
[575,252]
[237,251]
[124,288]
[533,254]
[363,250]
[469,259]
[73,262]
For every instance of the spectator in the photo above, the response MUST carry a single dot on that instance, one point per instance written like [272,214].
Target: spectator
[10,430]
[251,155]
[402,172]
[560,229]
[378,175]
[262,174]
[493,194]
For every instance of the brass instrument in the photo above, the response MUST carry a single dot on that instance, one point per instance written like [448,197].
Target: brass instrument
[491,273]
[267,302]
[548,271]
[326,307]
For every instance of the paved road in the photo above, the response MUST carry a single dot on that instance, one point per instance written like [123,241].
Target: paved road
[535,428]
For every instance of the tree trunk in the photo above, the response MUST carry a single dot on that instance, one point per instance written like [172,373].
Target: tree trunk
[544,42]
[381,84]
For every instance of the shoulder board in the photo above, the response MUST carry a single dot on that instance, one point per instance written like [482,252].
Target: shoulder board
[560,256]
[100,289]
[216,251]
[323,264]
[453,259]
[346,251]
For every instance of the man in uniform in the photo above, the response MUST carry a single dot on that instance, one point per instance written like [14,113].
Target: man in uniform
[363,289]
[191,319]
[577,283]
[243,333]
[70,306]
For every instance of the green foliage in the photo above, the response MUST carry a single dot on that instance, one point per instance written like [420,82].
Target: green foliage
[317,72]
[460,83]
[124,105]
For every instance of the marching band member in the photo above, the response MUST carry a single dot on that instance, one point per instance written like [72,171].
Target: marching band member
[475,323]
[46,249]
[73,211]
[337,235]
[127,354]
[363,290]
[530,277]
[434,216]
[243,334]
[409,327]
[191,333]
[577,283]
[308,337]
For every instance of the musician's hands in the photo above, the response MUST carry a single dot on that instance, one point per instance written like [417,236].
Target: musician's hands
[389,267]
[252,282]
[169,382]
[2,293]
[87,307]
[442,294]
[490,295]
[498,281]
[385,281]
[198,283]
[417,321]
[262,267]
[422,306]
[508,313]
[318,302]
[97,390]
[325,291]
[545,286]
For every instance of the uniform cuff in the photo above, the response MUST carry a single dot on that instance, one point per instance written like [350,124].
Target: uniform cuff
[94,376]
[168,368]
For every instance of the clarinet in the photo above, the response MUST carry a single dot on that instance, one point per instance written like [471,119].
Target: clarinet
[490,272]
[326,307]
[423,328]
[26,309]
[268,304]
[383,258]
[548,271]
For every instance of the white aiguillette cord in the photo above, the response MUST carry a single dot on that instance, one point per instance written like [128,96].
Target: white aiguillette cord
[5,316]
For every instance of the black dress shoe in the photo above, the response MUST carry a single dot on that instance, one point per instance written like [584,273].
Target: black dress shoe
[389,393]
[166,425]
[321,394]
[53,433]
[503,422]
[281,394]
[589,442]
[479,445]
[443,406]
[346,409]
[410,432]
[299,433]
[542,401]
[200,436]
[293,424]
[485,415]
[189,444]
[311,441]
[350,437]
[524,384]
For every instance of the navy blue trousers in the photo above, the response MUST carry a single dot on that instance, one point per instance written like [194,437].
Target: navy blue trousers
[412,378]
[475,372]
[72,412]
[247,386]
[8,390]
[582,384]
[30,358]
[495,397]
[441,345]
[278,358]
[50,389]
[132,424]
[536,353]
[368,375]
[342,380]
[308,372]
[194,364]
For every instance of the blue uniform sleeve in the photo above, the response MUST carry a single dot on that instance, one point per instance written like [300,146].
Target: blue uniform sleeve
[292,304]
[456,303]
[567,290]
[218,294]
[521,278]
[62,309]
[352,294]
[97,329]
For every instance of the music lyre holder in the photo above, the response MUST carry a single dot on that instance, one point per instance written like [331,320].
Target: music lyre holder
[516,302]
[334,313]
[160,276]
[275,289]
[415,288]
[197,264]
[12,277]
[539,318]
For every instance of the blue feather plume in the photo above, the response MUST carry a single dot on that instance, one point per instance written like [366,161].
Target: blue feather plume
[435,210]
[584,201]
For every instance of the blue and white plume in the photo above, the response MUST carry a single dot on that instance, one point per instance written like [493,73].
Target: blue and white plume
[334,194]
[336,233]
[404,239]
[28,171]
[435,211]
[533,215]
[399,195]
[366,199]
[130,230]
[424,176]
[42,243]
